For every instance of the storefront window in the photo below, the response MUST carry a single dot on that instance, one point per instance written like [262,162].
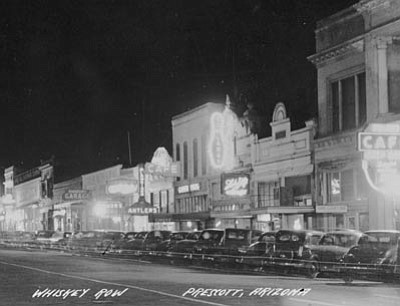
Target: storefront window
[364,221]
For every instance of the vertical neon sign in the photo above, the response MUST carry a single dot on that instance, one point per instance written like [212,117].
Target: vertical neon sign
[141,180]
[216,147]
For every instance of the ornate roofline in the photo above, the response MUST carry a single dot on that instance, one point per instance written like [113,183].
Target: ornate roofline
[370,5]
[356,44]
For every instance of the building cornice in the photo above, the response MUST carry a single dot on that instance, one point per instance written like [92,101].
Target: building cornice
[354,45]
[368,6]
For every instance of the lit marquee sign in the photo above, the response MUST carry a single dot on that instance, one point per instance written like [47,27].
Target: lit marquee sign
[235,184]
[380,146]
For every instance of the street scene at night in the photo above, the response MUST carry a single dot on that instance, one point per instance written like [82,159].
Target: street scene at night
[217,152]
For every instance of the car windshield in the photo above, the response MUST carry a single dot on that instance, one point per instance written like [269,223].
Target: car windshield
[140,235]
[378,238]
[270,237]
[130,236]
[115,235]
[339,239]
[211,235]
[193,236]
[237,234]
[45,234]
[313,239]
[287,237]
[178,236]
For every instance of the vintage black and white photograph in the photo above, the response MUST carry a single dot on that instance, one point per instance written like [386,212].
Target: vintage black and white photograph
[200,152]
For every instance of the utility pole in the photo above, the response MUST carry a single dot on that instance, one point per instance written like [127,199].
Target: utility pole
[129,148]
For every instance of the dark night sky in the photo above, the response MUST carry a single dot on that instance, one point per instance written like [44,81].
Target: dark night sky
[76,76]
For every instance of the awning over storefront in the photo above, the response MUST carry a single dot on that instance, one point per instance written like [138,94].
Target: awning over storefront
[191,216]
[232,215]
[284,210]
[274,171]
[161,217]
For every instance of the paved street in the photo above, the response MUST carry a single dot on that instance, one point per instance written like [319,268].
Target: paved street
[51,278]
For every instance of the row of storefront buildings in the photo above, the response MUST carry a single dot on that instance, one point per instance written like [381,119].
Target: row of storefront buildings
[338,171]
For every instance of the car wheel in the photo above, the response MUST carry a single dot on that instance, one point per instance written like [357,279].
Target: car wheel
[312,269]
[348,278]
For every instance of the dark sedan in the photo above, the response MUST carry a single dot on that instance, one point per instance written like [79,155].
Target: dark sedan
[327,254]
[166,245]
[374,257]
[292,250]
[253,256]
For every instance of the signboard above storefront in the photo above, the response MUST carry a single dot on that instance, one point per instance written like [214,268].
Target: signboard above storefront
[76,195]
[121,186]
[142,210]
[235,184]
[331,209]
[188,188]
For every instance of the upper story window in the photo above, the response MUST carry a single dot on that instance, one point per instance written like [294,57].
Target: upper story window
[178,156]
[195,158]
[348,100]
[346,185]
[203,155]
[178,152]
[185,161]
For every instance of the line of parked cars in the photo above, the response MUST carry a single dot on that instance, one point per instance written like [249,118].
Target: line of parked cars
[349,254]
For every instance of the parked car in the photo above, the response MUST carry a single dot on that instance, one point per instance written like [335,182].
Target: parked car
[327,254]
[222,246]
[292,249]
[253,256]
[95,241]
[48,237]
[184,247]
[153,239]
[64,242]
[174,237]
[374,257]
[131,244]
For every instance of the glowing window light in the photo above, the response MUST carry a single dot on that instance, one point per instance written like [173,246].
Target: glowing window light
[100,209]
[297,225]
[389,180]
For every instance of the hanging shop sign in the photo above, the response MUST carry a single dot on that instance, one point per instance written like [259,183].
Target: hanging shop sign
[235,184]
[76,195]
